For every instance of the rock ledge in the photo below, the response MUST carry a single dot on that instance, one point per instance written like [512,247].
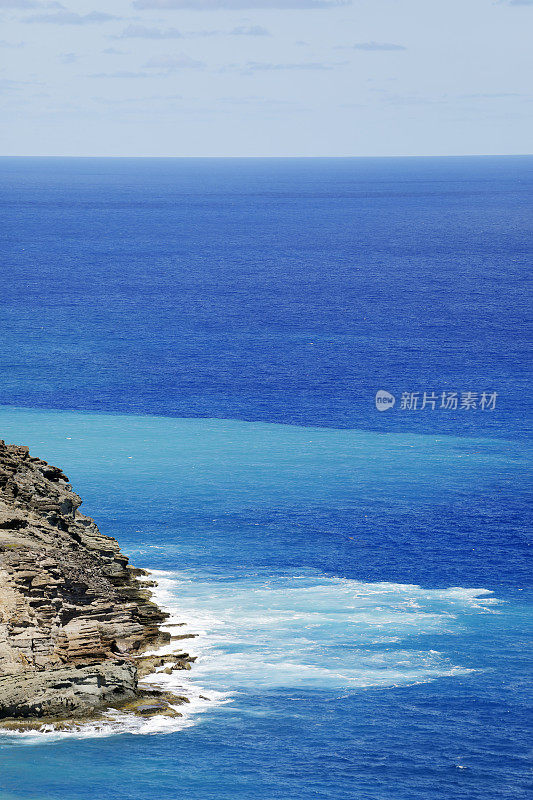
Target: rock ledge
[74,616]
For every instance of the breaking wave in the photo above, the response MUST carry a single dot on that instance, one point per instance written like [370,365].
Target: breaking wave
[301,633]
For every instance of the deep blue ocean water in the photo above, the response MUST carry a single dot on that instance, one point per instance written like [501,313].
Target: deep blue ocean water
[198,344]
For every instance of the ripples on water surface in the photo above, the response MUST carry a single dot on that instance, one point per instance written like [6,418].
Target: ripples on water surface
[341,684]
[315,563]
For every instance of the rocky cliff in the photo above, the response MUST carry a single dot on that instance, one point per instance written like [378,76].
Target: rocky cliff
[74,616]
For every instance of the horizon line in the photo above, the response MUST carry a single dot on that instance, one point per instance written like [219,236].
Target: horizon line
[271,157]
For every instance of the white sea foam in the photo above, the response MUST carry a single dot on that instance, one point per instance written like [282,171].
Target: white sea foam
[320,633]
[301,633]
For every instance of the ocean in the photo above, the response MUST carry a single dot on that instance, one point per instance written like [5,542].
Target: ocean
[198,343]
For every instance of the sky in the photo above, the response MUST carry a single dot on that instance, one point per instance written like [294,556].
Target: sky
[265,77]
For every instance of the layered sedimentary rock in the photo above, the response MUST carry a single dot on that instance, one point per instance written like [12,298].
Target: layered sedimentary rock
[74,616]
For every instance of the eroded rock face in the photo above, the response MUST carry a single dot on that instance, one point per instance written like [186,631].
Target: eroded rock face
[73,614]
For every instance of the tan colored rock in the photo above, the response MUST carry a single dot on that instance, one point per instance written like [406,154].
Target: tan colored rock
[74,616]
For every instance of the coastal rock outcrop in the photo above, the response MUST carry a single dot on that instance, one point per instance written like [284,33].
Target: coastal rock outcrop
[75,617]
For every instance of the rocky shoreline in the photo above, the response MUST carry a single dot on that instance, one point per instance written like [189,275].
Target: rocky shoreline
[78,627]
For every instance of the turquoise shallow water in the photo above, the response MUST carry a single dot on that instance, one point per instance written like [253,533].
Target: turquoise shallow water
[359,581]
[343,658]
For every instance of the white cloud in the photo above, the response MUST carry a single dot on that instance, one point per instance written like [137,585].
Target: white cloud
[120,74]
[26,4]
[377,46]
[173,63]
[250,30]
[142,32]
[211,5]
[65,17]
[267,66]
